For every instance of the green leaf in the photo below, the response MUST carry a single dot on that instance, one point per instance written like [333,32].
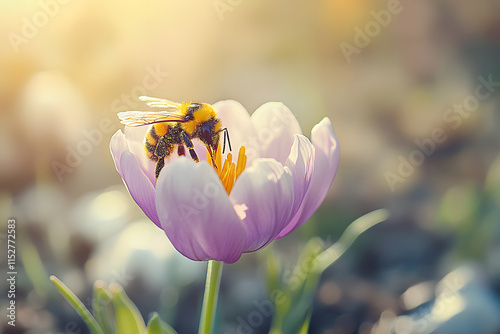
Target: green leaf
[492,182]
[77,304]
[459,206]
[300,286]
[305,264]
[158,326]
[305,325]
[128,318]
[273,268]
[102,307]
[351,233]
[297,314]
[34,268]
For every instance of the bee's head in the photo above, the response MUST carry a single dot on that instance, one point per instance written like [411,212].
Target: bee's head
[209,133]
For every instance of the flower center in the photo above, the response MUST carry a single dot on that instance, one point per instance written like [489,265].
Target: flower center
[230,171]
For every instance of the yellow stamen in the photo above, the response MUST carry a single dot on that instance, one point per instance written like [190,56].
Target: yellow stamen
[209,158]
[229,171]
[223,172]
[218,157]
[242,161]
[226,177]
[231,179]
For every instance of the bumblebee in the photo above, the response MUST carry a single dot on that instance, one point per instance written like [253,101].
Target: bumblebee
[175,127]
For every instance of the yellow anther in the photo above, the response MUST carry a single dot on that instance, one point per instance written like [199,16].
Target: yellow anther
[229,157]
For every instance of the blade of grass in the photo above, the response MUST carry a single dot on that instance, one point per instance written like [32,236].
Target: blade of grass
[102,307]
[305,325]
[34,269]
[351,233]
[77,305]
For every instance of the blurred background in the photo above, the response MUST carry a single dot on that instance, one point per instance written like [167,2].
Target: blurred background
[395,77]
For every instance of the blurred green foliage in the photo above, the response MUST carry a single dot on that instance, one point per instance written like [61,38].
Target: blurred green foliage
[297,291]
[471,213]
[112,311]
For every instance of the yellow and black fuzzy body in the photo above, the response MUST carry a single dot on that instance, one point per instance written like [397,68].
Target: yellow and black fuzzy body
[176,127]
[151,140]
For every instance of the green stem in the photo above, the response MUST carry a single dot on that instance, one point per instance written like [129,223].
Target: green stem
[212,285]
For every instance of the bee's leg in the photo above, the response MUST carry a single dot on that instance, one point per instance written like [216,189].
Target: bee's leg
[189,145]
[159,166]
[161,147]
[162,150]
[181,151]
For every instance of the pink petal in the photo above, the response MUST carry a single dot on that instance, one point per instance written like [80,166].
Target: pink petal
[196,213]
[135,139]
[275,126]
[327,155]
[301,164]
[324,139]
[138,185]
[263,198]
[236,119]
[118,145]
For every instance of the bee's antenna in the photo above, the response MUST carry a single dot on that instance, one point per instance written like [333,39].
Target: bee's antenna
[224,146]
[228,141]
[226,133]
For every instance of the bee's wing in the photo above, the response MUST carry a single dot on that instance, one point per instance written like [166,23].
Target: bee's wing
[138,118]
[159,103]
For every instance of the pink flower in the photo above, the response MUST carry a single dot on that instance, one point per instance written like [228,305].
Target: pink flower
[219,215]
